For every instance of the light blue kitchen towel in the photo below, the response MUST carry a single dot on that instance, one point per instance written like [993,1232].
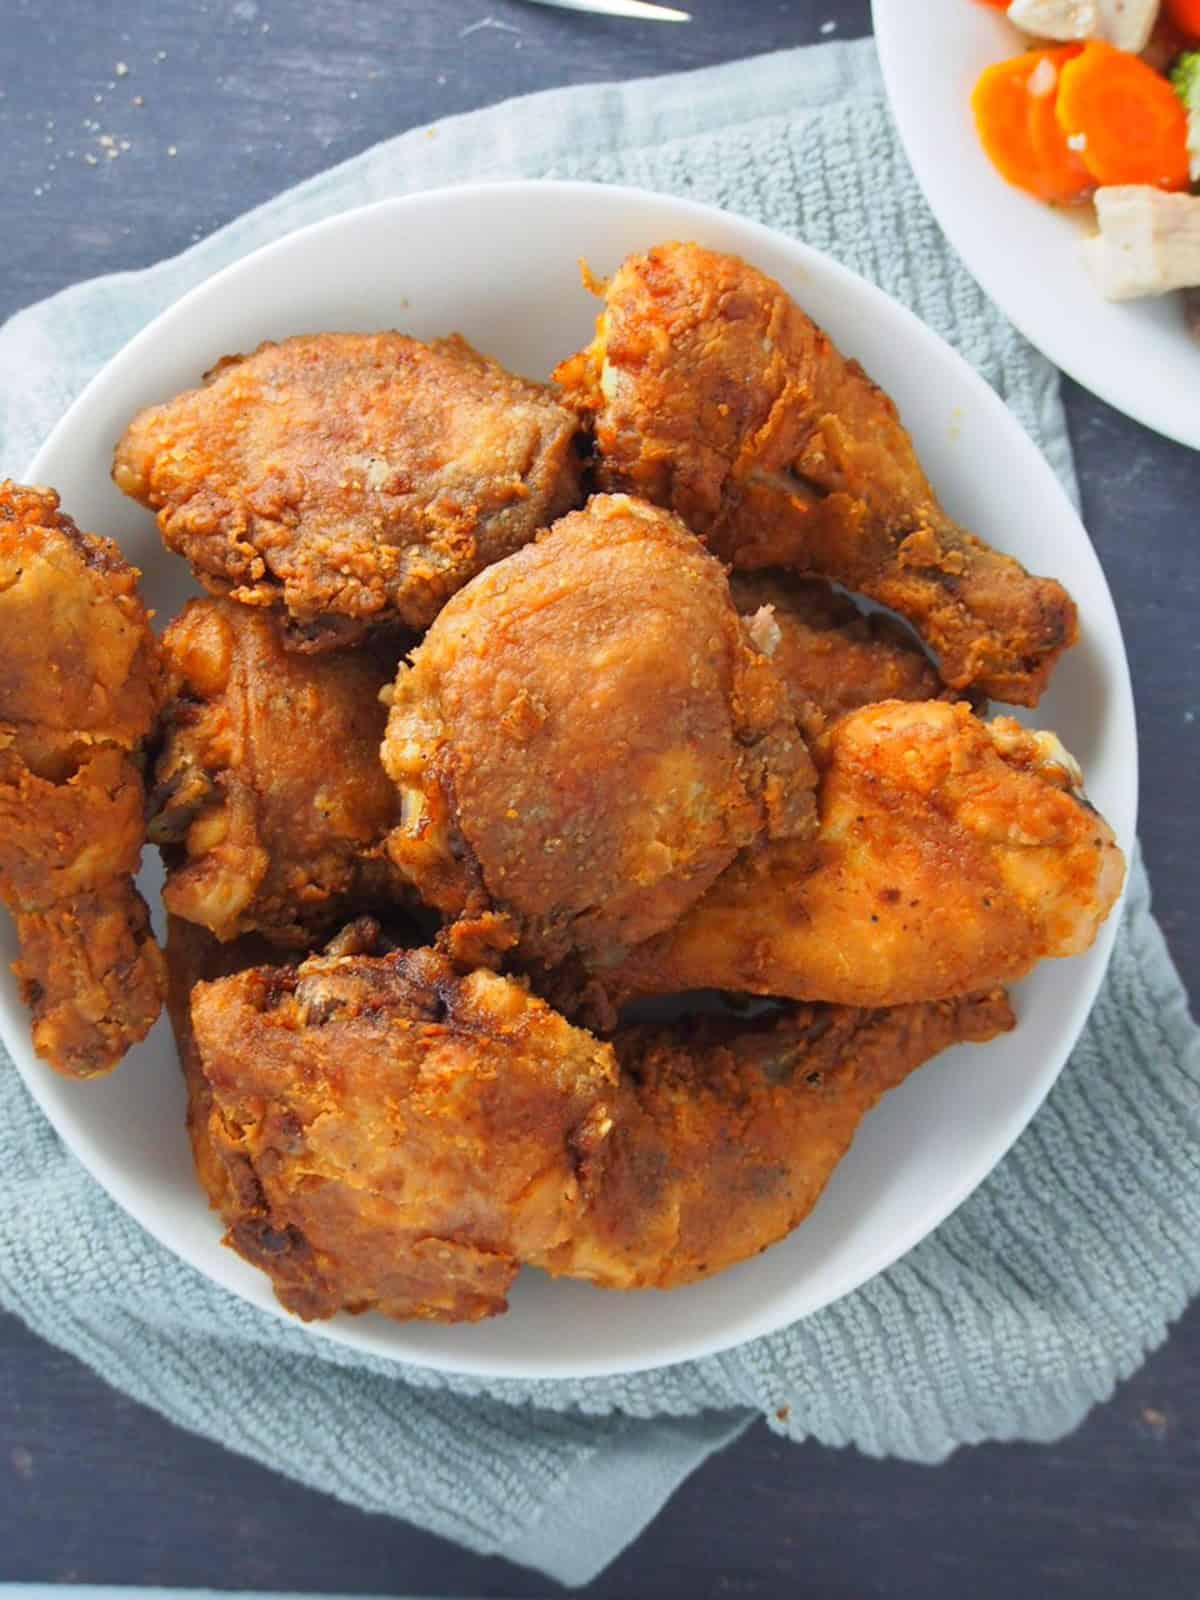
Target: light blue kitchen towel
[1022,1311]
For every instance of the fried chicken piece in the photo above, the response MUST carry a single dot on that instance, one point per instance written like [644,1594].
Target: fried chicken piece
[352,478]
[386,1134]
[712,393]
[79,694]
[270,798]
[382,1133]
[952,856]
[725,1133]
[586,738]
[195,956]
[831,657]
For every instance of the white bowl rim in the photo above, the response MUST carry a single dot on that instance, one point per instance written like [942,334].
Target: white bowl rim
[348,1331]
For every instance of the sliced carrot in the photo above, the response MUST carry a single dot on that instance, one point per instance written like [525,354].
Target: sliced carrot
[1185,14]
[1126,122]
[1013,104]
[1062,176]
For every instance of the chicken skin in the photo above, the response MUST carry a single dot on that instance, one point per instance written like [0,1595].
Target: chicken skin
[270,799]
[79,693]
[725,1133]
[712,393]
[586,738]
[952,856]
[386,1134]
[353,479]
[831,657]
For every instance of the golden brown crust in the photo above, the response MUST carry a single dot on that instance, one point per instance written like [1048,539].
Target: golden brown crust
[725,1133]
[78,696]
[831,657]
[270,798]
[194,956]
[394,1136]
[586,737]
[713,394]
[952,856]
[351,478]
[385,1134]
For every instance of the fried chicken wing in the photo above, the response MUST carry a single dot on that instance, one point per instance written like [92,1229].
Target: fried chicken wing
[270,799]
[586,737]
[712,393]
[79,693]
[952,856]
[353,479]
[725,1133]
[383,1133]
[831,657]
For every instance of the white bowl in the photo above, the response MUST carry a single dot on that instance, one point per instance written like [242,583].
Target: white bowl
[1137,355]
[499,263]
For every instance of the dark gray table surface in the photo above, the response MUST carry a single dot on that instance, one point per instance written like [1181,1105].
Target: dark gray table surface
[212,108]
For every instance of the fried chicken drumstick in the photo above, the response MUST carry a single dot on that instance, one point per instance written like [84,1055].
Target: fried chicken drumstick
[351,478]
[725,1133]
[385,1133]
[586,737]
[952,856]
[712,393]
[270,800]
[79,694]
[831,657]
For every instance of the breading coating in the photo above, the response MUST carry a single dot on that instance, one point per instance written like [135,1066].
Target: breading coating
[352,478]
[270,799]
[79,692]
[712,393]
[385,1134]
[952,856]
[726,1133]
[586,737]
[831,657]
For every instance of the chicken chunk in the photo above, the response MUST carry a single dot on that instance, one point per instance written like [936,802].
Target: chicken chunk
[1148,244]
[383,1133]
[952,856]
[79,694]
[270,800]
[586,738]
[1127,24]
[352,479]
[713,394]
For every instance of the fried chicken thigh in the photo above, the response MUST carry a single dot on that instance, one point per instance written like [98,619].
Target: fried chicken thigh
[351,478]
[831,657]
[384,1133]
[712,393]
[586,737]
[391,1135]
[79,694]
[952,856]
[270,799]
[725,1133]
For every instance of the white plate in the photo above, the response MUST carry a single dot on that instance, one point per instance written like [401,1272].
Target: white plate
[499,263]
[1137,355]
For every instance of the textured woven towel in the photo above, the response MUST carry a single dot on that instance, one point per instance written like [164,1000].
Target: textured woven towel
[1022,1311]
